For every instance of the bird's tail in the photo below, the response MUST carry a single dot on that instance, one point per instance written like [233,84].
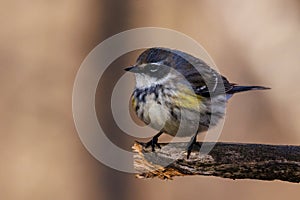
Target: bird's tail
[238,88]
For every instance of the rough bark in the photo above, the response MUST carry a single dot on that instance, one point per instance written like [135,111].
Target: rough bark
[227,160]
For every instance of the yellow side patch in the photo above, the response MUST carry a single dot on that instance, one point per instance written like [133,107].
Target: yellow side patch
[187,98]
[133,102]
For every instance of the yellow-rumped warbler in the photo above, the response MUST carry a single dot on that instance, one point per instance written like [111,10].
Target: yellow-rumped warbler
[176,92]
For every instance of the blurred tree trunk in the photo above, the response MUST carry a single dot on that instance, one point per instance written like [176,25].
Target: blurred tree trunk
[114,20]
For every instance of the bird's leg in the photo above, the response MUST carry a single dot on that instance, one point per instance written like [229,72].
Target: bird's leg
[191,144]
[154,141]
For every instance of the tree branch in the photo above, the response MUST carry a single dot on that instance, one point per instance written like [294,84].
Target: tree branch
[227,160]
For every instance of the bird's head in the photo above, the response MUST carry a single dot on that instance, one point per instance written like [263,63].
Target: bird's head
[156,66]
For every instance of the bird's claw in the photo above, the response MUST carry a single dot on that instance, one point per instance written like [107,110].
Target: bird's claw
[191,145]
[153,143]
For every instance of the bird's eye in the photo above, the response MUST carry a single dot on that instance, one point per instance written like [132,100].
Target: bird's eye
[152,68]
[156,70]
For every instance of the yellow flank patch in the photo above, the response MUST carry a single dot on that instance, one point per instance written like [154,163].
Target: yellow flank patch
[187,98]
[133,102]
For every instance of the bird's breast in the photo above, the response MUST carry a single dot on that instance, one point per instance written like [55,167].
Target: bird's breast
[150,109]
[171,110]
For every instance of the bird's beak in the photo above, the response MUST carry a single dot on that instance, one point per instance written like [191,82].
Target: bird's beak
[133,69]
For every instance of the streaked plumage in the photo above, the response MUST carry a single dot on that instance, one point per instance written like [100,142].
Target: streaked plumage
[179,94]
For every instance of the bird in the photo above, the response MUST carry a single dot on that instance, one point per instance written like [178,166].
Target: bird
[179,94]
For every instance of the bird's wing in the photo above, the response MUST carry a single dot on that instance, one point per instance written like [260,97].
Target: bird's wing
[204,80]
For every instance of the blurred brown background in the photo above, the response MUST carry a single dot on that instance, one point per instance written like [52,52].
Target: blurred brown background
[43,44]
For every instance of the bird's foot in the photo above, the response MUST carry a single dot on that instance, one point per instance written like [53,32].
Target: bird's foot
[191,145]
[153,143]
